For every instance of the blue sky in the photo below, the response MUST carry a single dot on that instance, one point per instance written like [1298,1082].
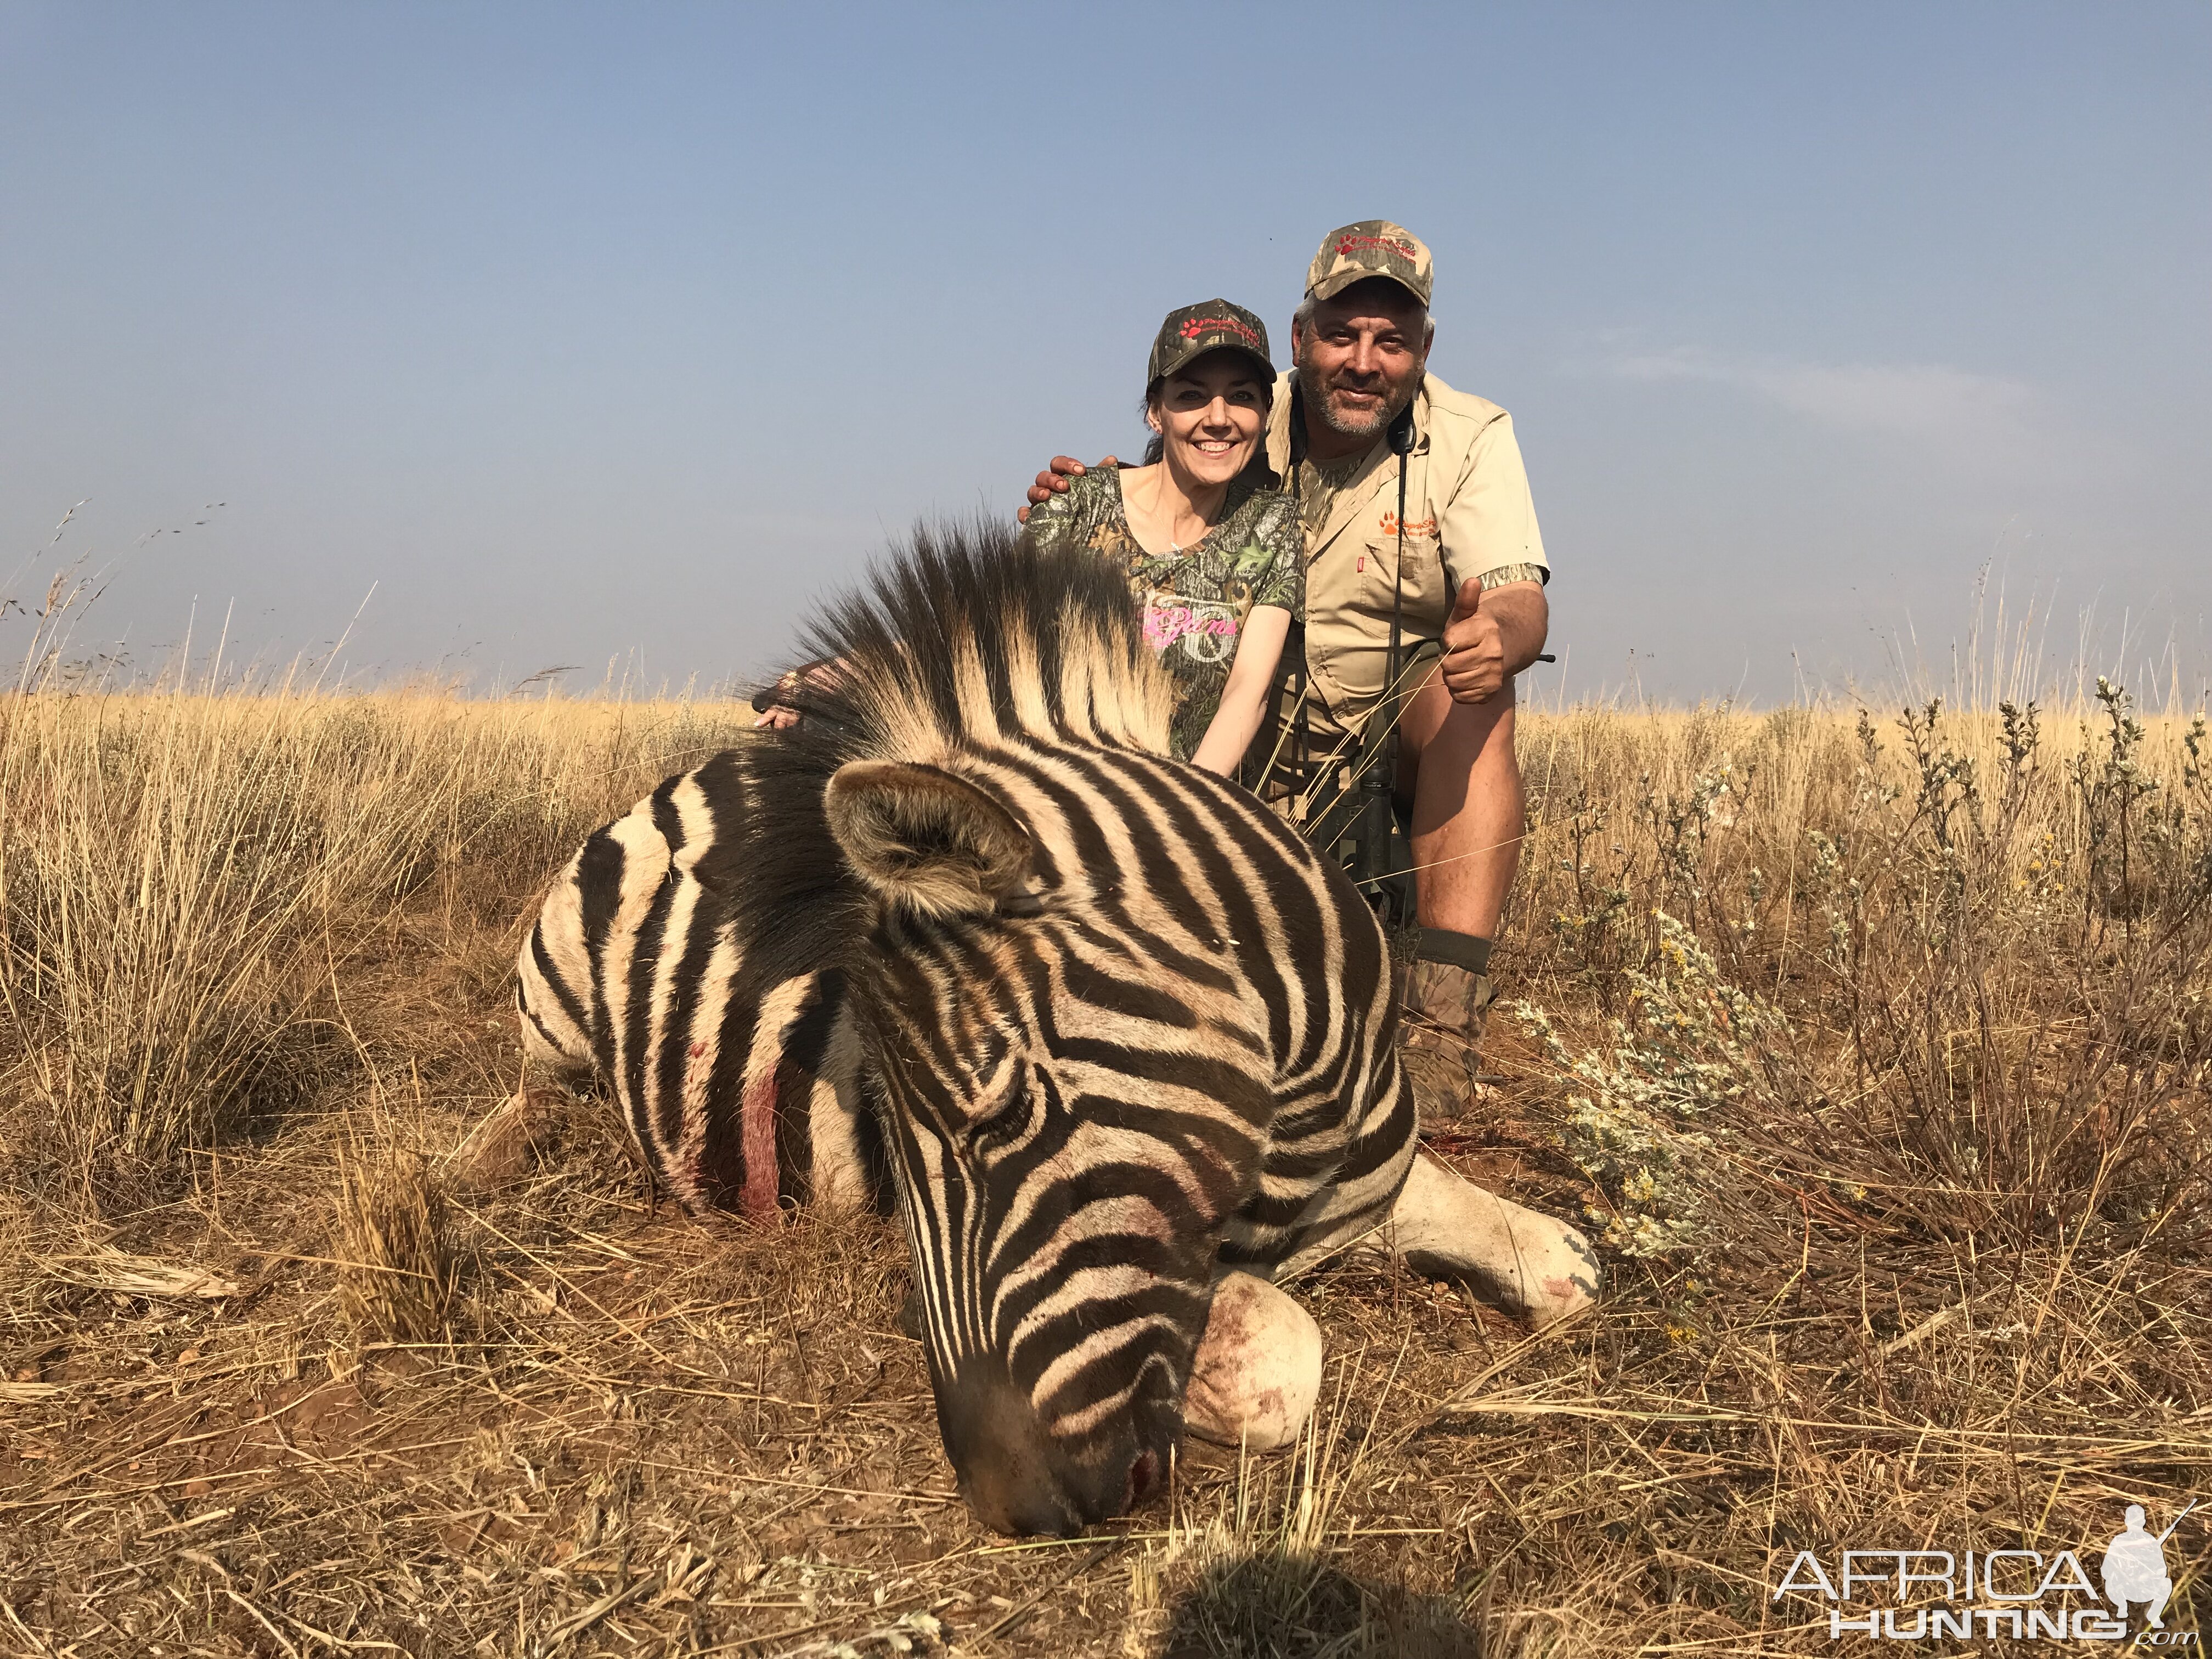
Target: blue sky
[613,333]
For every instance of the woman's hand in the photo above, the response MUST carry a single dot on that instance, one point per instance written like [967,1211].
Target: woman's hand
[777,715]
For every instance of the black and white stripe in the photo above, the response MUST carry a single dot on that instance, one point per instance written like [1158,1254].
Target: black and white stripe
[965,943]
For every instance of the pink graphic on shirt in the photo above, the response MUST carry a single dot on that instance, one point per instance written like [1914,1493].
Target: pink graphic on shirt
[1206,632]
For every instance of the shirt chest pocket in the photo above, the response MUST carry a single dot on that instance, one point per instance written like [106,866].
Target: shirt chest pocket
[1418,586]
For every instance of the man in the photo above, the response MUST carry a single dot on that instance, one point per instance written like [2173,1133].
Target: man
[1470,602]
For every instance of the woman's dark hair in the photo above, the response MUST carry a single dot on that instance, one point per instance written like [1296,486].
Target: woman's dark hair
[1156,445]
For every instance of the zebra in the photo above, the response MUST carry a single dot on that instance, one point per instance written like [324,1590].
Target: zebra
[964,945]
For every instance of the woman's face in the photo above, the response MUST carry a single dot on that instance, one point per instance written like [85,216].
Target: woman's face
[1209,415]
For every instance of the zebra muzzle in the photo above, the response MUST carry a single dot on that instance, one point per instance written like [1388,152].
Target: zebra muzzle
[1019,1480]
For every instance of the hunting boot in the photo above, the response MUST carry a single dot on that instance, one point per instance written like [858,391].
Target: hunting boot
[1447,1003]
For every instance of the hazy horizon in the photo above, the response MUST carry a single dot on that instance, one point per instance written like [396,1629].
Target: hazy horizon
[587,337]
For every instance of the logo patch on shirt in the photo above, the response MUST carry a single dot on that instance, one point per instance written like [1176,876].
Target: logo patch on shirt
[1413,527]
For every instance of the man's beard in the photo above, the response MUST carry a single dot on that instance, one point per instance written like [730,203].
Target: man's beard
[1317,401]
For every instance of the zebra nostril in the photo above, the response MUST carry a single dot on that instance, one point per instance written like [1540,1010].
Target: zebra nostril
[909,1322]
[1143,1473]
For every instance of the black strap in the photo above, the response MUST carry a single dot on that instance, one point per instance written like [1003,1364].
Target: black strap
[1401,439]
[1466,951]
[1392,689]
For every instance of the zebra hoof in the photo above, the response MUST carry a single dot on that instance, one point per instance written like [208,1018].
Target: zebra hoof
[503,1147]
[1518,1261]
[1257,1371]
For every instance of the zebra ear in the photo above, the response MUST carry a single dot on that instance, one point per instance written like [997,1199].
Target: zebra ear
[925,840]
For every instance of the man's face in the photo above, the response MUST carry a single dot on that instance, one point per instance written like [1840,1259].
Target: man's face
[1359,359]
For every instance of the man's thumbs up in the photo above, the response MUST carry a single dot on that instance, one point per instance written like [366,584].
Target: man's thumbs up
[1475,651]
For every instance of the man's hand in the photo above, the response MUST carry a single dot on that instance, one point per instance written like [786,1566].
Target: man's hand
[1053,481]
[1475,649]
[1492,636]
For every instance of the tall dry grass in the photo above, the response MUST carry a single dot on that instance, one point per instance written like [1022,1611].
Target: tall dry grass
[190,885]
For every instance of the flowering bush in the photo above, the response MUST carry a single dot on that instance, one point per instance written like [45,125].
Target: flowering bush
[1692,1044]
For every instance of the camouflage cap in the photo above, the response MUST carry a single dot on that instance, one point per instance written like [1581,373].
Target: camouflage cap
[1373,247]
[1191,332]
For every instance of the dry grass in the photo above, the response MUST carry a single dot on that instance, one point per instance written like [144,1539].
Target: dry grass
[398,1271]
[1900,1140]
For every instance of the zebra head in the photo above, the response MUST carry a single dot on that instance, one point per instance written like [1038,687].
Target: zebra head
[1069,1137]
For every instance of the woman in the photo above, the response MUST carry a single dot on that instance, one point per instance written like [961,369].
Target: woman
[1213,556]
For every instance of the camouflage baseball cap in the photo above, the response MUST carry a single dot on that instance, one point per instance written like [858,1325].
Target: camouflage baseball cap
[1373,247]
[1191,332]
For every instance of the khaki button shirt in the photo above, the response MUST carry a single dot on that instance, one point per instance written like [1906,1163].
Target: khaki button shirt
[1468,512]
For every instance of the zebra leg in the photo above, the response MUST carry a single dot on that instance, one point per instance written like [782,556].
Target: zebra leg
[499,1147]
[1257,1371]
[1513,1259]
[552,995]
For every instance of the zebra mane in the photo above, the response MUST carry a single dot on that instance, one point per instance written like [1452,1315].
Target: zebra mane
[968,635]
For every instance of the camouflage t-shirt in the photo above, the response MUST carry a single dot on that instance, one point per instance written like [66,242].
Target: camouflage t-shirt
[1196,597]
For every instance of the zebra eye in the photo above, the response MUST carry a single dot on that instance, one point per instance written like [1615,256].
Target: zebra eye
[1021,902]
[1009,1118]
[1002,1126]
